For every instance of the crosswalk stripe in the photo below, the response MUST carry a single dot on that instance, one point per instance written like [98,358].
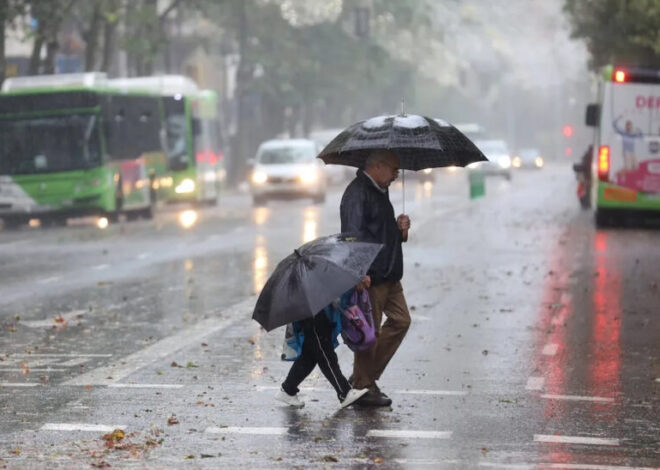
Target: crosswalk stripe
[575,440]
[80,427]
[265,431]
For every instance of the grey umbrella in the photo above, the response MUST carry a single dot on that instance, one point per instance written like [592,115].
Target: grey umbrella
[312,277]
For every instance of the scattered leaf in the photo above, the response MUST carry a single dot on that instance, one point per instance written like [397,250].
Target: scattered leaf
[172,420]
[330,458]
[190,365]
[379,460]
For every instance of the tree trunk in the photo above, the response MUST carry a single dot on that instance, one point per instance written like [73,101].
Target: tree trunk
[35,58]
[51,51]
[91,37]
[3,21]
[109,30]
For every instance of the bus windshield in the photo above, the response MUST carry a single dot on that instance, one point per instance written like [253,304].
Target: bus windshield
[48,144]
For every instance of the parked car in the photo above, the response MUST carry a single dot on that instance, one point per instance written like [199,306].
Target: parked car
[499,158]
[336,174]
[528,158]
[286,168]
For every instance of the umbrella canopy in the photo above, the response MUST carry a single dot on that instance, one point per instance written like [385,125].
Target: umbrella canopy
[419,141]
[311,277]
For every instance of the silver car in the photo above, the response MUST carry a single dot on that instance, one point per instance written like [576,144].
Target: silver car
[287,168]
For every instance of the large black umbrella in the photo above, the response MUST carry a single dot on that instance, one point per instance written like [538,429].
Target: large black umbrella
[419,141]
[311,277]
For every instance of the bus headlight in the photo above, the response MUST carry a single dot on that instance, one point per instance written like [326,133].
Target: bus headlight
[185,187]
[309,176]
[539,162]
[259,177]
[517,162]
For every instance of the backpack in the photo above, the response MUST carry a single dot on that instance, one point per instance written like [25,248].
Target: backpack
[357,323]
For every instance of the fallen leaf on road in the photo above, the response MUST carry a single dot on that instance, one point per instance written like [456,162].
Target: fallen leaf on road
[379,460]
[101,464]
[330,458]
[172,420]
[174,364]
[190,365]
[60,319]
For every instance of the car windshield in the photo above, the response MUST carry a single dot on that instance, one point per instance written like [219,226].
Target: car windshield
[492,146]
[48,144]
[287,154]
[529,153]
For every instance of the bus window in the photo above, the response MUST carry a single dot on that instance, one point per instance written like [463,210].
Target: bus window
[49,144]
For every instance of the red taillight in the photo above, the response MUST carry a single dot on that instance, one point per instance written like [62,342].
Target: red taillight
[604,162]
[619,76]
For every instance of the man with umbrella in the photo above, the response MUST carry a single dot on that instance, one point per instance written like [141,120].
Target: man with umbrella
[379,147]
[366,209]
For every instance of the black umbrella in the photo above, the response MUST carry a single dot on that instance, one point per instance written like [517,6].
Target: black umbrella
[312,277]
[419,141]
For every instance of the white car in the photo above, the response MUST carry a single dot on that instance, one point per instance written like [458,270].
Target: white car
[499,158]
[287,168]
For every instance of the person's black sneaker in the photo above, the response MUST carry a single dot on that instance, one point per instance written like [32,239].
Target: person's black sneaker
[377,389]
[373,398]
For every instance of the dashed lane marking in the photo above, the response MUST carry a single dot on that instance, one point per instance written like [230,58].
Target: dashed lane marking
[80,427]
[550,349]
[145,385]
[457,393]
[265,431]
[74,362]
[143,255]
[596,441]
[48,280]
[101,266]
[49,369]
[264,388]
[581,466]
[577,398]
[535,383]
[56,355]
[403,434]
[50,322]
[114,373]
[20,385]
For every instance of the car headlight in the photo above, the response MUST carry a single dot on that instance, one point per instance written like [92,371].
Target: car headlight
[516,162]
[184,187]
[539,162]
[504,162]
[309,176]
[427,171]
[259,177]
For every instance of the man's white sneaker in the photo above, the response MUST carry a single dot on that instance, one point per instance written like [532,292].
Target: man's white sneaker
[352,396]
[291,400]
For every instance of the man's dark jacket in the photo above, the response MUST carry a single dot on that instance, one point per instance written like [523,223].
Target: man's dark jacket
[368,212]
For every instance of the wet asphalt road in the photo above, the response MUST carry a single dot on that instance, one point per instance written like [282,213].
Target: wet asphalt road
[535,340]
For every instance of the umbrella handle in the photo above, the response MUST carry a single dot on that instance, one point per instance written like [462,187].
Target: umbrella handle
[404,233]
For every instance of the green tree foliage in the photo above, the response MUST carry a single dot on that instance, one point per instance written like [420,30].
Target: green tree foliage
[622,32]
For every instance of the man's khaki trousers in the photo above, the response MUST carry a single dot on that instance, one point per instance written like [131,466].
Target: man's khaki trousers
[386,298]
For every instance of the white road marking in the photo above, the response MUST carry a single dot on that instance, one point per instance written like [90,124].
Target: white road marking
[80,427]
[50,322]
[74,362]
[403,434]
[57,355]
[265,431]
[521,466]
[582,466]
[145,385]
[596,441]
[101,266]
[535,383]
[264,388]
[48,280]
[577,398]
[550,349]
[13,384]
[165,347]
[143,255]
[431,392]
[32,370]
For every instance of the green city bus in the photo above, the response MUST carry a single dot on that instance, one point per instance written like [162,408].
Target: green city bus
[70,146]
[195,165]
